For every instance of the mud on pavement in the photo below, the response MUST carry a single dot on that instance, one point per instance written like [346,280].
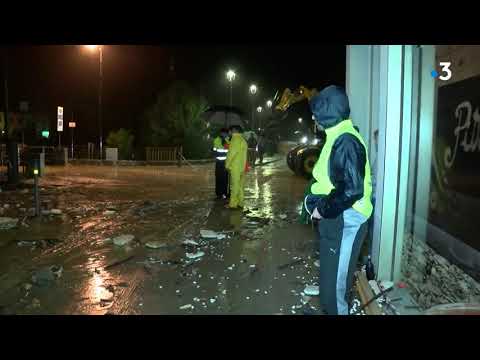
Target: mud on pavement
[129,240]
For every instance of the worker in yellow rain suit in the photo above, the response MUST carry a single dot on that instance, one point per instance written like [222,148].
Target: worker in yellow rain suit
[236,165]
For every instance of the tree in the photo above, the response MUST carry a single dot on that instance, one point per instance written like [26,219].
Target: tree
[123,140]
[175,119]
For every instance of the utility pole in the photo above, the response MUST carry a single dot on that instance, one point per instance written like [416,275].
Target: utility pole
[12,151]
[100,110]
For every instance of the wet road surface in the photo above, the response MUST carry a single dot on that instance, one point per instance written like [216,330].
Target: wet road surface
[261,266]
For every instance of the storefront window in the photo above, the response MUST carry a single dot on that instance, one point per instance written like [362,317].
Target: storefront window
[442,242]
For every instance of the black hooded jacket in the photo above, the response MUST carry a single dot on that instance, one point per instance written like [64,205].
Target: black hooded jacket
[347,158]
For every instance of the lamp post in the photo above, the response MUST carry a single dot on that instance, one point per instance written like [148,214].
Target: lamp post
[253,91]
[230,77]
[269,106]
[259,110]
[100,90]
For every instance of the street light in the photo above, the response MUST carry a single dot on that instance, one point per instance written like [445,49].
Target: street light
[253,91]
[259,110]
[300,120]
[269,104]
[100,90]
[230,77]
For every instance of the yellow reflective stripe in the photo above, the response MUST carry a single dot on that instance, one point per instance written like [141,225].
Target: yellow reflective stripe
[221,158]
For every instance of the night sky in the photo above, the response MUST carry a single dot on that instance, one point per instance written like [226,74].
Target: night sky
[47,76]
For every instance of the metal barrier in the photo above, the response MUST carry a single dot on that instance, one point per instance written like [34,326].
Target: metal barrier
[163,154]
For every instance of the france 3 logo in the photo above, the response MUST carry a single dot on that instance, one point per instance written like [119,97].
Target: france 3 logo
[447,73]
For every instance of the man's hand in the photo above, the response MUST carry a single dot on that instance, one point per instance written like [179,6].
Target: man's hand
[316,215]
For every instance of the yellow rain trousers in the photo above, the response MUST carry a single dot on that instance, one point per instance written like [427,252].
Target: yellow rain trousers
[235,164]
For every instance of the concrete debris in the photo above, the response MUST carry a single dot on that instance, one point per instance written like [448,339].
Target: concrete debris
[212,300]
[26,243]
[155,245]
[109,212]
[190,242]
[283,216]
[56,212]
[6,206]
[46,276]
[186,307]
[7,223]
[317,263]
[196,255]
[123,239]
[311,290]
[433,280]
[208,234]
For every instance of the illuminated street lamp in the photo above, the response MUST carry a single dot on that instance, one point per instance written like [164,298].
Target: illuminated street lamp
[300,120]
[259,109]
[100,90]
[269,104]
[253,91]
[231,77]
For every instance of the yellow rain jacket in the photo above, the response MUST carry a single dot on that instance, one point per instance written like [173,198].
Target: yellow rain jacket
[235,164]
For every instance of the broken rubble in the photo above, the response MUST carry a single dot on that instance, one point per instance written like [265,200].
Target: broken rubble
[311,290]
[123,239]
[56,212]
[155,245]
[195,255]
[7,223]
[190,242]
[283,216]
[46,276]
[109,212]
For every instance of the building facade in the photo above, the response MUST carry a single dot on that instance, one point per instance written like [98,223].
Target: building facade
[424,102]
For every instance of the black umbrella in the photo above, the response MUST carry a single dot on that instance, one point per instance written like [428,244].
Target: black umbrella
[225,116]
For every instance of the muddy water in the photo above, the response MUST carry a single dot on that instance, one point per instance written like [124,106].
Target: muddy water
[248,272]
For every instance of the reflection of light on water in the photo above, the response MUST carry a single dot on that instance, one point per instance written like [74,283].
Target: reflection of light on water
[267,198]
[96,291]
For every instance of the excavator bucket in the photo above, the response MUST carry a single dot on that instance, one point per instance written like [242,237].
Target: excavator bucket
[288,97]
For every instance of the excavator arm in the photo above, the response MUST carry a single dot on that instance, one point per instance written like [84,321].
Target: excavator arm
[289,98]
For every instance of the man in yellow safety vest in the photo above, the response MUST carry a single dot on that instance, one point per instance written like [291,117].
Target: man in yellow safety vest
[340,199]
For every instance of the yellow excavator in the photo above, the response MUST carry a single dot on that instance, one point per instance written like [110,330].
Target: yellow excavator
[302,158]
